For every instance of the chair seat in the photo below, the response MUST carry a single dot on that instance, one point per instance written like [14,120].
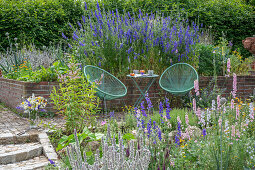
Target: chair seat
[178,79]
[108,86]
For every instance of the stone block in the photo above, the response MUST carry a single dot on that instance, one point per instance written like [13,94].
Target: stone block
[20,156]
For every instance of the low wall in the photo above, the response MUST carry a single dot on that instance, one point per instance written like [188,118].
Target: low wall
[245,85]
[13,92]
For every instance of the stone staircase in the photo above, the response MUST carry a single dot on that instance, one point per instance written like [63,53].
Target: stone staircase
[25,152]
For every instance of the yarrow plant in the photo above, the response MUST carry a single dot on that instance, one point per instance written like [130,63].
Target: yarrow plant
[32,106]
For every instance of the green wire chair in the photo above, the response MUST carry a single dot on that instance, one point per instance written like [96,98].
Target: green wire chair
[178,79]
[108,86]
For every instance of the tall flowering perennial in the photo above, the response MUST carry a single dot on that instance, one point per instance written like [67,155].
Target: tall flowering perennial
[187,119]
[226,130]
[208,117]
[237,112]
[202,119]
[194,105]
[143,109]
[129,38]
[198,113]
[218,102]
[228,67]
[149,129]
[196,87]
[233,131]
[251,111]
[178,135]
[161,109]
[232,104]
[213,105]
[138,118]
[159,134]
[234,85]
[150,106]
[168,109]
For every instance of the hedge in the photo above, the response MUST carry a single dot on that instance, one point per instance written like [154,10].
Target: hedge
[43,21]
[37,21]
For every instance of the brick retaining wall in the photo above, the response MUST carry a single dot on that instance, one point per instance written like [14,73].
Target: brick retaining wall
[12,91]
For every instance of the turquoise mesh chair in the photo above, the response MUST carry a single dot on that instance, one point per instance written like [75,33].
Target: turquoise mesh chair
[178,79]
[108,86]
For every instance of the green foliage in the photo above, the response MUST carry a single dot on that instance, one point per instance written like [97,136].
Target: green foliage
[128,136]
[206,64]
[240,65]
[234,18]
[213,59]
[39,22]
[174,114]
[85,136]
[23,72]
[75,99]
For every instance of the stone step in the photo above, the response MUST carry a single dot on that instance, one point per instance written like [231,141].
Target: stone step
[37,163]
[19,152]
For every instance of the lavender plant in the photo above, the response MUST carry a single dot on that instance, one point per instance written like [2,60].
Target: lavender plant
[121,42]
[113,156]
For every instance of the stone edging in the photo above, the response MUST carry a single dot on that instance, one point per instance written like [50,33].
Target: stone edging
[48,149]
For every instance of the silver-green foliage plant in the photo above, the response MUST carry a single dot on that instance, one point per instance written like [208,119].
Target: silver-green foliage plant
[15,55]
[113,156]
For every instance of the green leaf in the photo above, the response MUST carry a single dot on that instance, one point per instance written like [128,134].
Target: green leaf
[128,136]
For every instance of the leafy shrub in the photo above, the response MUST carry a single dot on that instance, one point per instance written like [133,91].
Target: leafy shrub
[234,18]
[119,43]
[213,59]
[240,65]
[75,98]
[206,64]
[39,22]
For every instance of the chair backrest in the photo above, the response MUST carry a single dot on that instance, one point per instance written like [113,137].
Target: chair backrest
[178,79]
[108,86]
